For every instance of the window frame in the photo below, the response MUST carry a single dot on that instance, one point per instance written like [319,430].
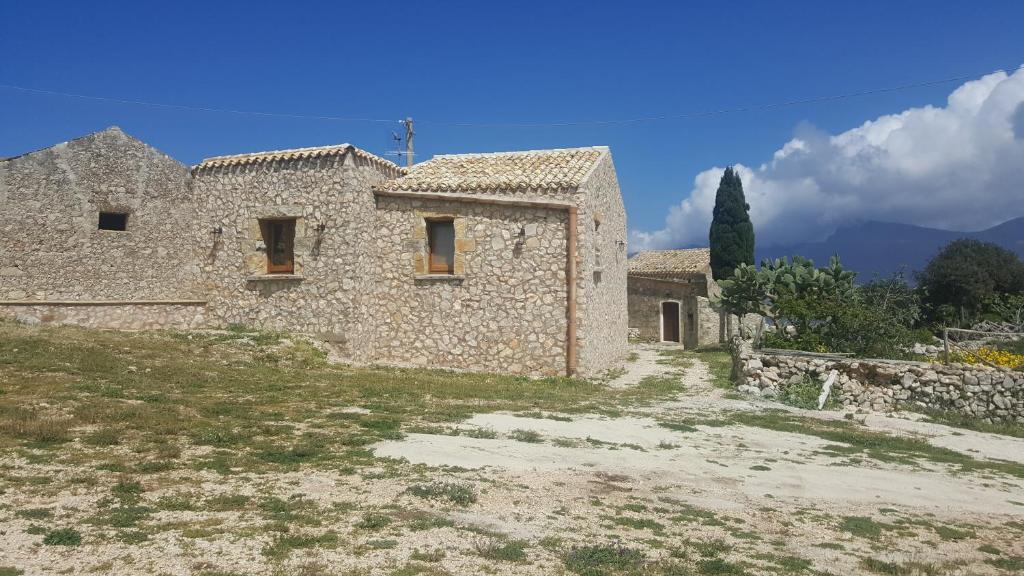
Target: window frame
[431,223]
[267,231]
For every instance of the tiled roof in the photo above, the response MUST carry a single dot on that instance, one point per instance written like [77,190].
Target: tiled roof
[669,263]
[296,154]
[500,171]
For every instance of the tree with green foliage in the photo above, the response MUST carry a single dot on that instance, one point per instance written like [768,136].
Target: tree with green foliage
[732,235]
[822,310]
[964,275]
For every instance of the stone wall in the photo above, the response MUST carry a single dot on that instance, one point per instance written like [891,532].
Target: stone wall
[333,286]
[504,313]
[52,247]
[603,320]
[995,395]
[177,316]
[644,300]
[194,255]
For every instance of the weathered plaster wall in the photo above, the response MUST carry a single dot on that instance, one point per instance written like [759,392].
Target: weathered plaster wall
[333,285]
[993,394]
[50,202]
[505,312]
[603,320]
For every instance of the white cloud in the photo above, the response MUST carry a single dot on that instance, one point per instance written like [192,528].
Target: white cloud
[959,167]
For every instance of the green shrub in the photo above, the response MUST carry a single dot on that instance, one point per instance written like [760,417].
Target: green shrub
[596,560]
[63,537]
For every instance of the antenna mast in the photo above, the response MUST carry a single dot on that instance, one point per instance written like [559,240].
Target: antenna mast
[408,141]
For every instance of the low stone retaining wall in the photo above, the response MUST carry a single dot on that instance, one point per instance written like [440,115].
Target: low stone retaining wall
[180,315]
[992,394]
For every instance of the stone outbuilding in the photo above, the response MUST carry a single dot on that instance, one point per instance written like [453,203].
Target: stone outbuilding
[506,262]
[669,297]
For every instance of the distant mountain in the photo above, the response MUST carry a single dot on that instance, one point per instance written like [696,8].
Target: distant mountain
[883,248]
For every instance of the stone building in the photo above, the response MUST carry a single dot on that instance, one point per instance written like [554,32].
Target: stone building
[669,297]
[507,262]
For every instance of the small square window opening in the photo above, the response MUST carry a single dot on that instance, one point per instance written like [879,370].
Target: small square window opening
[113,221]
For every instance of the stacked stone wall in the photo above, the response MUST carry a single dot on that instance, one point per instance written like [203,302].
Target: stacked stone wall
[991,394]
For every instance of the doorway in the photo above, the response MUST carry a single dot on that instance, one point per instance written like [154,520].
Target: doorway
[670,322]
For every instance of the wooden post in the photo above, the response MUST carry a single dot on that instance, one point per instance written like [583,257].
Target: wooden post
[945,344]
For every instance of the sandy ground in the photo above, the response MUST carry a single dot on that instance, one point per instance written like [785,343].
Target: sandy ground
[756,495]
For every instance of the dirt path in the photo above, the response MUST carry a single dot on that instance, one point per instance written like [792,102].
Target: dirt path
[732,468]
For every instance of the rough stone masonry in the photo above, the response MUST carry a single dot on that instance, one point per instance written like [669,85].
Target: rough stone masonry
[332,241]
[992,394]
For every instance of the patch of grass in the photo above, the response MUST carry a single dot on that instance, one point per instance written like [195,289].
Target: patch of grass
[426,521]
[485,433]
[719,566]
[804,394]
[877,566]
[435,555]
[103,437]
[959,420]
[10,571]
[637,523]
[504,550]
[227,502]
[677,426]
[373,521]
[760,468]
[598,560]
[990,549]
[862,526]
[63,537]
[952,533]
[711,548]
[283,544]
[461,494]
[531,436]
[544,415]
[127,491]
[35,513]
[1013,564]
[852,438]
[32,426]
[132,536]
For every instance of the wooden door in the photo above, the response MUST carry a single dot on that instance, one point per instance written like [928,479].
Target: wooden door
[670,322]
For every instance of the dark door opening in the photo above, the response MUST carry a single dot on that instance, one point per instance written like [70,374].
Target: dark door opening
[670,321]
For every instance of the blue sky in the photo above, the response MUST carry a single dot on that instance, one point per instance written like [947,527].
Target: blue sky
[511,62]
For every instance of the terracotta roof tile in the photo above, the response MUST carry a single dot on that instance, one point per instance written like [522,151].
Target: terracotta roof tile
[669,263]
[296,154]
[500,171]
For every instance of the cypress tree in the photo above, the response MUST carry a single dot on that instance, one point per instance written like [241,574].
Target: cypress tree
[732,235]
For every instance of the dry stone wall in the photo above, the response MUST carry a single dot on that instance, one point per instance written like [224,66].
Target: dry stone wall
[991,394]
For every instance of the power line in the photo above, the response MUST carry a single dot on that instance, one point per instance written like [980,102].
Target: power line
[639,120]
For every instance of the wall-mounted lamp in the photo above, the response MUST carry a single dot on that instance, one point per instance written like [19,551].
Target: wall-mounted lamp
[621,244]
[218,231]
[521,237]
[319,240]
